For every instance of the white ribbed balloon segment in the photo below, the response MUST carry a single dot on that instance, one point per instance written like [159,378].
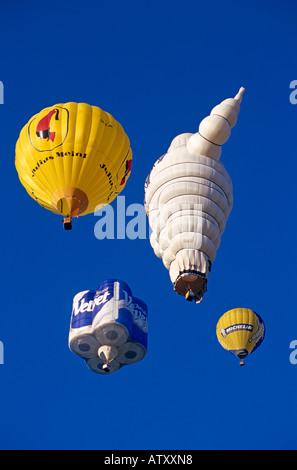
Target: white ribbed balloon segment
[188,198]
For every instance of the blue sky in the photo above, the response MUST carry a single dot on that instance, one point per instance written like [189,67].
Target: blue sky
[158,67]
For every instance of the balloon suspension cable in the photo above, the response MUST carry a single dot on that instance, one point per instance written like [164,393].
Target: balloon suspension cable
[67,222]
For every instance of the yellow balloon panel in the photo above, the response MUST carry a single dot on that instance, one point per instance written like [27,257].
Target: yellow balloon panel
[72,157]
[239,330]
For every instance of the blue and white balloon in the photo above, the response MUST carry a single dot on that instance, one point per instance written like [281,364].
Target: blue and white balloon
[108,327]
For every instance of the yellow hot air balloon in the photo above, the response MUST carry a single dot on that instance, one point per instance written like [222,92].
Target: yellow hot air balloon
[72,157]
[240,331]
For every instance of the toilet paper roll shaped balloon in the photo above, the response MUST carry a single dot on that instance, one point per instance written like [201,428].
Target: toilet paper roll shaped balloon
[108,327]
[188,198]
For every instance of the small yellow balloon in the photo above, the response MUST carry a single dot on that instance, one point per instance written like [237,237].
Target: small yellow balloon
[73,157]
[240,331]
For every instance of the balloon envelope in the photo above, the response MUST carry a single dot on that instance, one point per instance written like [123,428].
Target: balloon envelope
[72,157]
[108,327]
[240,331]
[188,198]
